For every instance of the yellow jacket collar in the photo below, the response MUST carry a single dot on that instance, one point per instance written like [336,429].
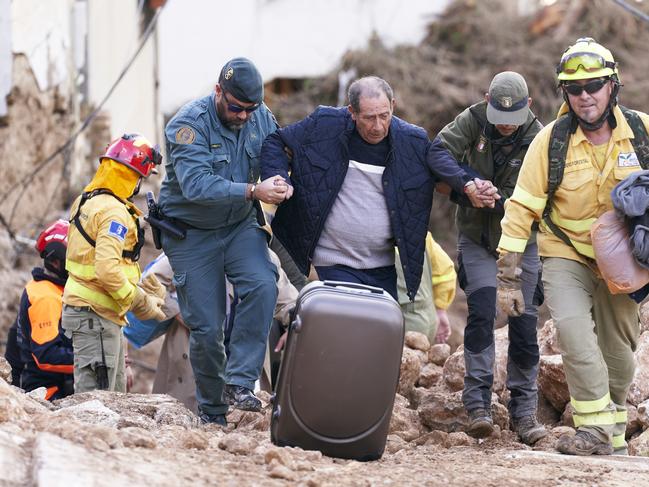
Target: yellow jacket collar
[621,132]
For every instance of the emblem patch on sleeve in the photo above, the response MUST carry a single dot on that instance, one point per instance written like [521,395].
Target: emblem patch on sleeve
[117,230]
[185,135]
[627,159]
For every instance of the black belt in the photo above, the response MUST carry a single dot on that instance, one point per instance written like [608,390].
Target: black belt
[181,224]
[77,308]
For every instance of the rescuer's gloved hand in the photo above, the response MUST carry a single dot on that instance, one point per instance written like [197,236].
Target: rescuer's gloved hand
[509,295]
[147,306]
[151,285]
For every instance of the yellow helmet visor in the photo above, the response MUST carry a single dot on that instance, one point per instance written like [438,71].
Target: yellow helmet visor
[586,61]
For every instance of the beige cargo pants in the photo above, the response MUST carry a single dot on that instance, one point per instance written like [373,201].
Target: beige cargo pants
[598,333]
[84,327]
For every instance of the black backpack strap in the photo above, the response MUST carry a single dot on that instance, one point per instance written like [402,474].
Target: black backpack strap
[134,254]
[75,219]
[640,141]
[557,160]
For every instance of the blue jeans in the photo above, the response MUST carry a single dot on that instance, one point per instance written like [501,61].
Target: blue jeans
[201,263]
[383,277]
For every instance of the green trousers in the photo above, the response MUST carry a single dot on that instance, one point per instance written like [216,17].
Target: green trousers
[598,333]
[90,333]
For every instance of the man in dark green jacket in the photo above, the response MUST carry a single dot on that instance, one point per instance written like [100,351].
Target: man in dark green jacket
[491,138]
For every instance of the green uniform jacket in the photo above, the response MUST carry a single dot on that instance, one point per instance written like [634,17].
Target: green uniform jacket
[467,139]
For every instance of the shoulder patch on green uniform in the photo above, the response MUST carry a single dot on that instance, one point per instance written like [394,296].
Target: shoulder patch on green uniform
[185,135]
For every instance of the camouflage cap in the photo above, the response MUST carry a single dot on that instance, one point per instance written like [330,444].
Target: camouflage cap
[241,79]
[508,97]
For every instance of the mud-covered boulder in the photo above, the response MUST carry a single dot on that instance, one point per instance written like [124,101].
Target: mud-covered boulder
[552,381]
[639,390]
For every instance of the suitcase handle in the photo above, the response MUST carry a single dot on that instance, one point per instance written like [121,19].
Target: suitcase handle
[355,286]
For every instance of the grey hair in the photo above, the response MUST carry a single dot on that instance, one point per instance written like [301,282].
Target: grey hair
[369,87]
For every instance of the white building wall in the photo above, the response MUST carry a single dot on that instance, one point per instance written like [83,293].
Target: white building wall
[6,58]
[285,38]
[41,31]
[113,37]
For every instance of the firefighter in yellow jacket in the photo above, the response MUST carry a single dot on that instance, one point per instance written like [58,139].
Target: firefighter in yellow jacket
[592,140]
[104,244]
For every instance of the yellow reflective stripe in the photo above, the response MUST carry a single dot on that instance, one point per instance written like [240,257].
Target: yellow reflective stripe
[80,270]
[449,276]
[621,416]
[87,271]
[512,244]
[573,225]
[123,291]
[618,441]
[584,249]
[91,296]
[593,419]
[527,199]
[586,407]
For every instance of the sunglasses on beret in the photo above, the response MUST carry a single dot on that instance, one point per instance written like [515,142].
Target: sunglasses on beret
[234,108]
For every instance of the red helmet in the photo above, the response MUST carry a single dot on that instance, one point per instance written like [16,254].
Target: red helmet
[57,233]
[134,151]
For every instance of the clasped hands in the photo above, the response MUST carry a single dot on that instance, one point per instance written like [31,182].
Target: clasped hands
[273,190]
[481,193]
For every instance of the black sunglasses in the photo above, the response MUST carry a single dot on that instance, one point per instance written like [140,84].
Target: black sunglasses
[592,87]
[234,108]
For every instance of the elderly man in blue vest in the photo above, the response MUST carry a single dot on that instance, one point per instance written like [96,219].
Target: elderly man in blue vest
[361,182]
[210,191]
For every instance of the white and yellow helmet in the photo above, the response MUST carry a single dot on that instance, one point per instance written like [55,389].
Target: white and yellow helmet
[586,59]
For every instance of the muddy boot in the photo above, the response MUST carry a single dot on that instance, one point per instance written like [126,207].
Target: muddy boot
[583,443]
[241,398]
[480,423]
[529,429]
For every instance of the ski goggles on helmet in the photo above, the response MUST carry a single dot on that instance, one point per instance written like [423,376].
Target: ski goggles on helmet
[586,61]
[590,88]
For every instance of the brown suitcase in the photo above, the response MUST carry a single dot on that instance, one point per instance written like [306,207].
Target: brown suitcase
[340,371]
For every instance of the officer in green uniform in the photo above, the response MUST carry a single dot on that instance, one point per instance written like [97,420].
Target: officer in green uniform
[491,138]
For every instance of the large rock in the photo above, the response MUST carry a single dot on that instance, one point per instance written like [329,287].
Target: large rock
[11,403]
[405,422]
[13,465]
[430,375]
[417,341]
[453,373]
[439,353]
[643,414]
[92,412]
[552,381]
[410,369]
[441,410]
[639,390]
[633,424]
[639,446]
[5,370]
[548,340]
[161,408]
[237,443]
